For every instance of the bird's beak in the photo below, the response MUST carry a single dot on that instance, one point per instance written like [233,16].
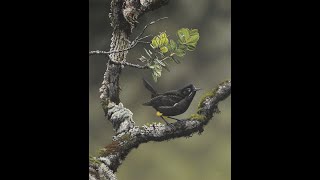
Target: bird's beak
[197,89]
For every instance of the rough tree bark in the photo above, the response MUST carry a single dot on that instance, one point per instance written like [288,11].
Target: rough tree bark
[124,15]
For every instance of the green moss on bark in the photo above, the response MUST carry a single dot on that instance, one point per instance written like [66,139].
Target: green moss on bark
[94,160]
[111,148]
[197,117]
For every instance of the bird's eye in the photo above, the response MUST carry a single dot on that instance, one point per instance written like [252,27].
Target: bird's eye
[187,91]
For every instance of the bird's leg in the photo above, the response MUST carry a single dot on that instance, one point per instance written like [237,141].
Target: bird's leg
[174,118]
[159,114]
[167,122]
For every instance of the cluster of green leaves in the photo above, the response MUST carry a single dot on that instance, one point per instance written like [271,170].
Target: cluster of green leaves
[168,49]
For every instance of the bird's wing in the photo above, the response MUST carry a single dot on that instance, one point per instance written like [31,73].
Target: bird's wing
[177,108]
[170,100]
[155,100]
[172,93]
[169,110]
[162,101]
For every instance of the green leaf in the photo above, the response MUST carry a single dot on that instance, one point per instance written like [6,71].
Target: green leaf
[193,39]
[164,49]
[191,47]
[155,78]
[158,67]
[155,42]
[189,38]
[163,35]
[148,53]
[182,47]
[164,42]
[163,39]
[156,73]
[193,32]
[173,45]
[161,63]
[181,50]
[183,35]
[159,41]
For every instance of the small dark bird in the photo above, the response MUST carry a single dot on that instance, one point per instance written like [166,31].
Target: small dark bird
[170,103]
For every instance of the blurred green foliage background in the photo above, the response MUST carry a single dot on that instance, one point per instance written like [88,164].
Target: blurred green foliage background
[203,157]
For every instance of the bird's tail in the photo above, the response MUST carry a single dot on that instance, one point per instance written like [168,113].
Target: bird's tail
[150,88]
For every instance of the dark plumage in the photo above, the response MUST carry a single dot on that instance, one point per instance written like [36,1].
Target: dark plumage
[171,103]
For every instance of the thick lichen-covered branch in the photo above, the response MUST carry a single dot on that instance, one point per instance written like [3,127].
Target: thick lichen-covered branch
[130,136]
[133,9]
[123,16]
[98,170]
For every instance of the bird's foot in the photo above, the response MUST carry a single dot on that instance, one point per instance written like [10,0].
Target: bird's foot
[171,125]
[174,118]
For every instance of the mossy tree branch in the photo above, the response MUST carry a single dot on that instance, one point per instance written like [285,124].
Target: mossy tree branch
[128,136]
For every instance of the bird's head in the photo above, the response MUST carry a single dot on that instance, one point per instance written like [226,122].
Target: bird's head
[189,90]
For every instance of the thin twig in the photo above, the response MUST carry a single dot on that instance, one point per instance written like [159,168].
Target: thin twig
[144,42]
[132,44]
[124,63]
[97,52]
[146,26]
[164,58]
[129,64]
[145,37]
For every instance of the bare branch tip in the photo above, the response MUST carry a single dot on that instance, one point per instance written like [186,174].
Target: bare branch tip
[97,52]
[158,20]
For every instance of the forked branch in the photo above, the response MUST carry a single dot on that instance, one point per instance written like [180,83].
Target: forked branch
[137,40]
[129,64]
